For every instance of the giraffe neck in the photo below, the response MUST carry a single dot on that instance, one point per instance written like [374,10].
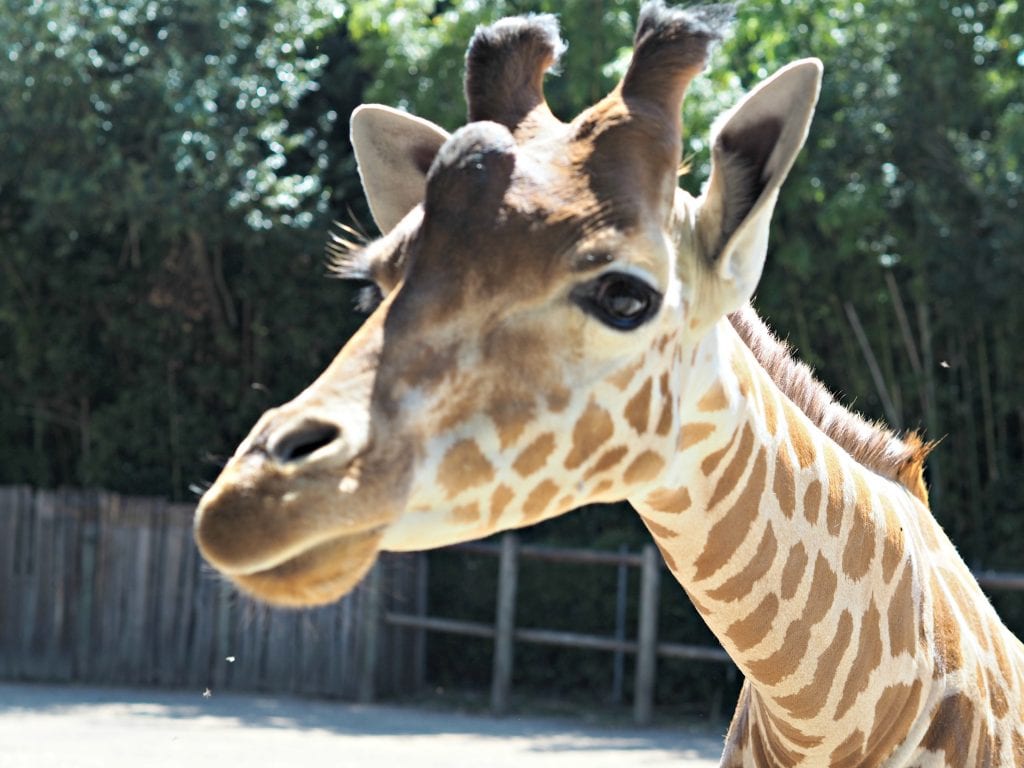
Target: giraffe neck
[804,563]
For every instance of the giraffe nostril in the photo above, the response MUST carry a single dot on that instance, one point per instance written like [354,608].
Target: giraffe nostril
[305,439]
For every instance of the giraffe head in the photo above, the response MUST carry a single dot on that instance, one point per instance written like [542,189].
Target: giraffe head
[531,272]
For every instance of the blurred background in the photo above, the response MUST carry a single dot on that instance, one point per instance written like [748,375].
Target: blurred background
[170,172]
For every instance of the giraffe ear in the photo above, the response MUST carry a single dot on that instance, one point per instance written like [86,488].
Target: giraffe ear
[753,149]
[393,151]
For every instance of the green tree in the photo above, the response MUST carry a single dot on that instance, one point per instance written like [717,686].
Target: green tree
[162,215]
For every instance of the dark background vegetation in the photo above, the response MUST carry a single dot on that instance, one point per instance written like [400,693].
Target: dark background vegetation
[170,171]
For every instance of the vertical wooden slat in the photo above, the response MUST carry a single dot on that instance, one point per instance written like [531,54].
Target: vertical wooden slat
[647,637]
[35,588]
[504,623]
[422,576]
[188,571]
[167,597]
[201,637]
[370,621]
[85,611]
[17,511]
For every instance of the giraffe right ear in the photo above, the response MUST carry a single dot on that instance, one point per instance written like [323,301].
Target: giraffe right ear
[393,151]
[753,149]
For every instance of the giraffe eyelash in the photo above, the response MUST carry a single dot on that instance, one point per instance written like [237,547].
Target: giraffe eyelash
[368,297]
[348,256]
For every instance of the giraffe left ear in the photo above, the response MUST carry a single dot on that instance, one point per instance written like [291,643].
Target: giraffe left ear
[752,152]
[393,151]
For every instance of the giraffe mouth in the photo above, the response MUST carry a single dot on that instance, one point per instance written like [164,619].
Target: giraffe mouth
[319,575]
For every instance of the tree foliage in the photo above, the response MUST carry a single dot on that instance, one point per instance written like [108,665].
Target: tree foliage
[162,206]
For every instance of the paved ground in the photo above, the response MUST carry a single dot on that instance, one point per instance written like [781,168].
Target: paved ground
[45,726]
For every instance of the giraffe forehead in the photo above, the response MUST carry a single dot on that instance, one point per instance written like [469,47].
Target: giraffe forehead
[536,216]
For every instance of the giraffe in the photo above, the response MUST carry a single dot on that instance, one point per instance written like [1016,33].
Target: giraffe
[558,324]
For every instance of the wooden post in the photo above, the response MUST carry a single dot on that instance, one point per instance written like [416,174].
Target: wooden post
[647,637]
[369,636]
[504,623]
[621,597]
[419,648]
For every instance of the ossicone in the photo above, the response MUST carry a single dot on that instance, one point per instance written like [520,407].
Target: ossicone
[671,47]
[505,66]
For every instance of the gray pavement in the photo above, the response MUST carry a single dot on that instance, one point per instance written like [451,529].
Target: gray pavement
[43,726]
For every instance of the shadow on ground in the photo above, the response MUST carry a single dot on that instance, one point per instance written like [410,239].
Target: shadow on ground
[161,711]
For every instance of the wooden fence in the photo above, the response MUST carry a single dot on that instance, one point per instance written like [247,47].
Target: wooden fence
[646,648]
[101,588]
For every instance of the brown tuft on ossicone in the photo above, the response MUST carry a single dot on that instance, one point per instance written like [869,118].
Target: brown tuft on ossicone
[505,66]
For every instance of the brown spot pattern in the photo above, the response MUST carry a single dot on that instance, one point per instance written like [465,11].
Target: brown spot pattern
[639,407]
[463,467]
[728,533]
[749,631]
[812,501]
[867,659]
[593,428]
[534,456]
[666,556]
[792,734]
[859,551]
[848,754]
[799,438]
[739,586]
[785,661]
[500,500]
[895,712]
[712,460]
[669,500]
[902,617]
[771,415]
[558,399]
[950,729]
[667,401]
[793,571]
[784,483]
[466,513]
[620,380]
[997,696]
[810,700]
[734,469]
[835,504]
[537,501]
[892,545]
[739,367]
[714,399]
[966,599]
[947,631]
[510,421]
[644,467]
[657,530]
[691,434]
[608,459]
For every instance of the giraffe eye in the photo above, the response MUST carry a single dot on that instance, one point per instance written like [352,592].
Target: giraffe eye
[618,300]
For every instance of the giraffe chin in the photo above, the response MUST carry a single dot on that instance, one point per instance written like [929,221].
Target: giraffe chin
[322,574]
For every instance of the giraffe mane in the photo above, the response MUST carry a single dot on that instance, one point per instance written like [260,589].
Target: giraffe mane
[872,444]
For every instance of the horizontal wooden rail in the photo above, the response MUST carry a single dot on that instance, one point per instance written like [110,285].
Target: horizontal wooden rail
[999,580]
[558,554]
[437,624]
[554,637]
